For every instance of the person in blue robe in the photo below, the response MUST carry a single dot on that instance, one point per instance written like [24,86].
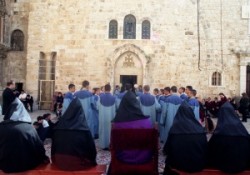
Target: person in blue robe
[87,100]
[107,110]
[149,104]
[182,93]
[68,97]
[172,104]
[194,104]
[162,102]
[118,100]
[96,93]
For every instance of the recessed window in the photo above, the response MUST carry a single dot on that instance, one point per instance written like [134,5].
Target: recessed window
[17,40]
[129,28]
[216,79]
[113,25]
[145,29]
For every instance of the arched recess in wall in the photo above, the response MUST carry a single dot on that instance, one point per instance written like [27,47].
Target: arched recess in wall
[129,27]
[17,40]
[216,79]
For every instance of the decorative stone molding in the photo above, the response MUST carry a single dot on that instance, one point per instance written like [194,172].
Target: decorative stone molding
[129,49]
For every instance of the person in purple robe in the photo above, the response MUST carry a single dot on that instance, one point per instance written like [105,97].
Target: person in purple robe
[129,115]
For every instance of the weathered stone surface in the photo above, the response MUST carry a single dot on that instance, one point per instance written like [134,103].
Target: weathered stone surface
[78,32]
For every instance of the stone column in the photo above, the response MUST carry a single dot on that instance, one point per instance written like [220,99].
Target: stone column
[243,77]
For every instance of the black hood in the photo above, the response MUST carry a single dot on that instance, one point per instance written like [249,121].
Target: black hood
[129,109]
[73,118]
[185,122]
[229,123]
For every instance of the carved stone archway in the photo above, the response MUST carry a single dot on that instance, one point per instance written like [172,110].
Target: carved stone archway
[126,60]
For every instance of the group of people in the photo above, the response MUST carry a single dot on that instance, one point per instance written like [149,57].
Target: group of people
[86,115]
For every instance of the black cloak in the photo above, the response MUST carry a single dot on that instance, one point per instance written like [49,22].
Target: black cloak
[229,147]
[20,147]
[186,146]
[129,109]
[73,147]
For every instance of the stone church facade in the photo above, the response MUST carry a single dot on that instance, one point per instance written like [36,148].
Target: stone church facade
[47,44]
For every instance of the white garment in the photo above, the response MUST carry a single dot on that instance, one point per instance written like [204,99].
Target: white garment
[20,113]
[23,96]
[45,123]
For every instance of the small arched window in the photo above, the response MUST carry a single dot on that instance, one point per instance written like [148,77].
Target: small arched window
[145,30]
[216,79]
[113,25]
[17,40]
[129,28]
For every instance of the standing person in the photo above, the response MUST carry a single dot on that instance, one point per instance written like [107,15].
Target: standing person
[182,93]
[149,104]
[107,109]
[194,104]
[243,108]
[96,93]
[128,87]
[87,101]
[223,99]
[29,101]
[68,97]
[8,96]
[172,104]
[117,90]
[59,101]
[162,101]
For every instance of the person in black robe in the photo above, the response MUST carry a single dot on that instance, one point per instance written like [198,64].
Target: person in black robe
[73,147]
[20,147]
[243,108]
[229,146]
[186,147]
[8,96]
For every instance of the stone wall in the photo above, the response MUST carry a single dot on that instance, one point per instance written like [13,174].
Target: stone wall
[77,31]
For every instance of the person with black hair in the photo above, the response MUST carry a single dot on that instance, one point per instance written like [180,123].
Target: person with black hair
[8,96]
[169,110]
[107,110]
[149,104]
[68,97]
[244,107]
[87,101]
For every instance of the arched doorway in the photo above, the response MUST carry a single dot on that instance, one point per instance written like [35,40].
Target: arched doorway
[128,69]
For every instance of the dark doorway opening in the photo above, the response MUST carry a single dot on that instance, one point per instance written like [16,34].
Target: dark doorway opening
[19,87]
[131,79]
[248,81]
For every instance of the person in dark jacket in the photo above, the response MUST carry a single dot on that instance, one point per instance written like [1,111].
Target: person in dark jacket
[73,147]
[244,107]
[186,147]
[8,96]
[229,146]
[20,147]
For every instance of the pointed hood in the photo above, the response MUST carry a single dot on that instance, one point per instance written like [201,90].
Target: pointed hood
[129,109]
[17,112]
[73,118]
[229,123]
[185,122]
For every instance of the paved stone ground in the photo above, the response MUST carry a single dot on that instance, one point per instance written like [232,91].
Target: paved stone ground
[103,157]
